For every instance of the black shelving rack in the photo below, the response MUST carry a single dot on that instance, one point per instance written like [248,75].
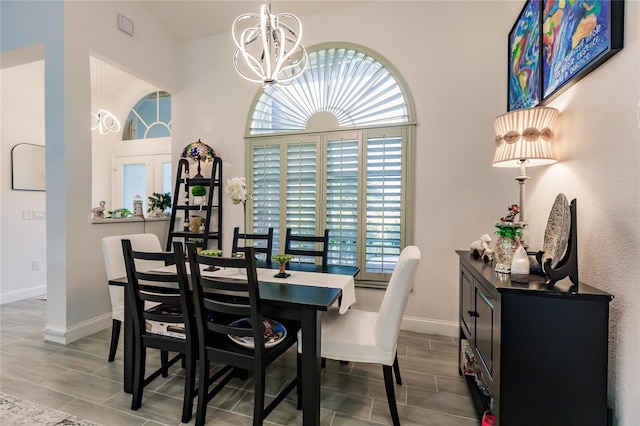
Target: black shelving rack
[183,206]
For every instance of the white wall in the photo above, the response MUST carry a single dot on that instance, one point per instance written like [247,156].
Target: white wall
[71,31]
[455,67]
[22,106]
[456,93]
[599,150]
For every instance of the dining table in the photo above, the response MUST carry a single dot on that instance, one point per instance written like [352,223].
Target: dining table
[309,291]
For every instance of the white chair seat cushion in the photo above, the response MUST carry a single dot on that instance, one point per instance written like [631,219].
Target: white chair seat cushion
[351,337]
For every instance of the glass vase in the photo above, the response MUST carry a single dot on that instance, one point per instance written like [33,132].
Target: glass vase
[505,250]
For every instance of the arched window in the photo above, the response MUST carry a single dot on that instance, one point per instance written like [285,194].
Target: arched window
[144,167]
[149,118]
[333,150]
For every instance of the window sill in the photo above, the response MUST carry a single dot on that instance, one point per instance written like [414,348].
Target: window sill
[129,220]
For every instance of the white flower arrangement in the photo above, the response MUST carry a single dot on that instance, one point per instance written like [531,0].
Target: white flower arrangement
[236,189]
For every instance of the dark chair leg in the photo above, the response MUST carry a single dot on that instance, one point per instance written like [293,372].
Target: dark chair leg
[299,374]
[164,359]
[189,386]
[323,363]
[138,376]
[391,394]
[203,389]
[258,397]
[115,335]
[396,370]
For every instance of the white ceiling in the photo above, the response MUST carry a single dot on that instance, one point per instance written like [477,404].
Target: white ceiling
[189,20]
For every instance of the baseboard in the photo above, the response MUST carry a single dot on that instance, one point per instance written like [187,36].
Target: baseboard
[430,326]
[57,334]
[28,293]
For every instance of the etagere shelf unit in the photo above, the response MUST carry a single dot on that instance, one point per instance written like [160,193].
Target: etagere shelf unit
[185,208]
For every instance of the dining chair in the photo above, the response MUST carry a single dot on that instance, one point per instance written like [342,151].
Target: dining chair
[300,245]
[372,337]
[265,242]
[167,326]
[220,303]
[114,264]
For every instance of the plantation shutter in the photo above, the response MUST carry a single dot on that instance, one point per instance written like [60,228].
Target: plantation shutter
[266,190]
[302,172]
[383,203]
[342,201]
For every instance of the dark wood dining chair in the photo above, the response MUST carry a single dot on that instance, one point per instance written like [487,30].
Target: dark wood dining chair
[218,302]
[300,245]
[162,316]
[114,265]
[265,242]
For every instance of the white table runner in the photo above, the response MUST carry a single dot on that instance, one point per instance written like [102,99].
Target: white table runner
[344,282]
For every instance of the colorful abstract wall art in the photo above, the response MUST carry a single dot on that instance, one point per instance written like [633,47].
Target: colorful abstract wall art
[575,34]
[555,43]
[524,58]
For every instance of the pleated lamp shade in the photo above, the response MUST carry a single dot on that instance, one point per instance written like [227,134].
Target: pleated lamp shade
[525,134]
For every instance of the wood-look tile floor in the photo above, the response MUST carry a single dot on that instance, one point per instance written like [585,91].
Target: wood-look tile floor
[77,379]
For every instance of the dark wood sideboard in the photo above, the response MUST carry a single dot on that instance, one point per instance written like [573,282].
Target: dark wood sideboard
[542,353]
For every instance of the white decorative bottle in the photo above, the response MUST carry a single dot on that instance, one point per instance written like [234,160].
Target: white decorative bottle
[520,266]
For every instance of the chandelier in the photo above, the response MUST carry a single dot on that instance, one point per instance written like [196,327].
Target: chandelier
[270,52]
[103,120]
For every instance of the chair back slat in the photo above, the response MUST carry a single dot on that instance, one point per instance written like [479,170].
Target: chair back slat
[265,242]
[161,317]
[302,248]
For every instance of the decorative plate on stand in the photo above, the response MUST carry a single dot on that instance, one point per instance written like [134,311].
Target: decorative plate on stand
[556,235]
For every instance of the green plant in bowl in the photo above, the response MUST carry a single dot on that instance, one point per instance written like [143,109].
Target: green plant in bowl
[282,258]
[211,253]
[198,191]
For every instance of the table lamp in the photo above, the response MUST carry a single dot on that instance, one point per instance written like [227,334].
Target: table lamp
[198,151]
[524,138]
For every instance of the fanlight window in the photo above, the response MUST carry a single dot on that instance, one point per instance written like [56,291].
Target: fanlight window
[355,88]
[149,118]
[332,150]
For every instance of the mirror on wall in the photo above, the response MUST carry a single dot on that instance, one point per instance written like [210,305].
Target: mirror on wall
[28,167]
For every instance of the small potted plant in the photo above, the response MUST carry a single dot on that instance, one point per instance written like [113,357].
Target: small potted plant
[198,243]
[158,204]
[211,253]
[282,259]
[198,192]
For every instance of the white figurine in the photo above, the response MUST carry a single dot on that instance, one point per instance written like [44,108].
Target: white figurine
[98,212]
[481,249]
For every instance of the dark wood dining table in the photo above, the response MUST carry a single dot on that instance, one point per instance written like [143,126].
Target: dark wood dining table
[303,303]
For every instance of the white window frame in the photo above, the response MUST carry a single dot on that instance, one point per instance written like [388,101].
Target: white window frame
[153,164]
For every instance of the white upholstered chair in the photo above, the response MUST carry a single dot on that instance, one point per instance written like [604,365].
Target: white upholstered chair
[114,264]
[371,337]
